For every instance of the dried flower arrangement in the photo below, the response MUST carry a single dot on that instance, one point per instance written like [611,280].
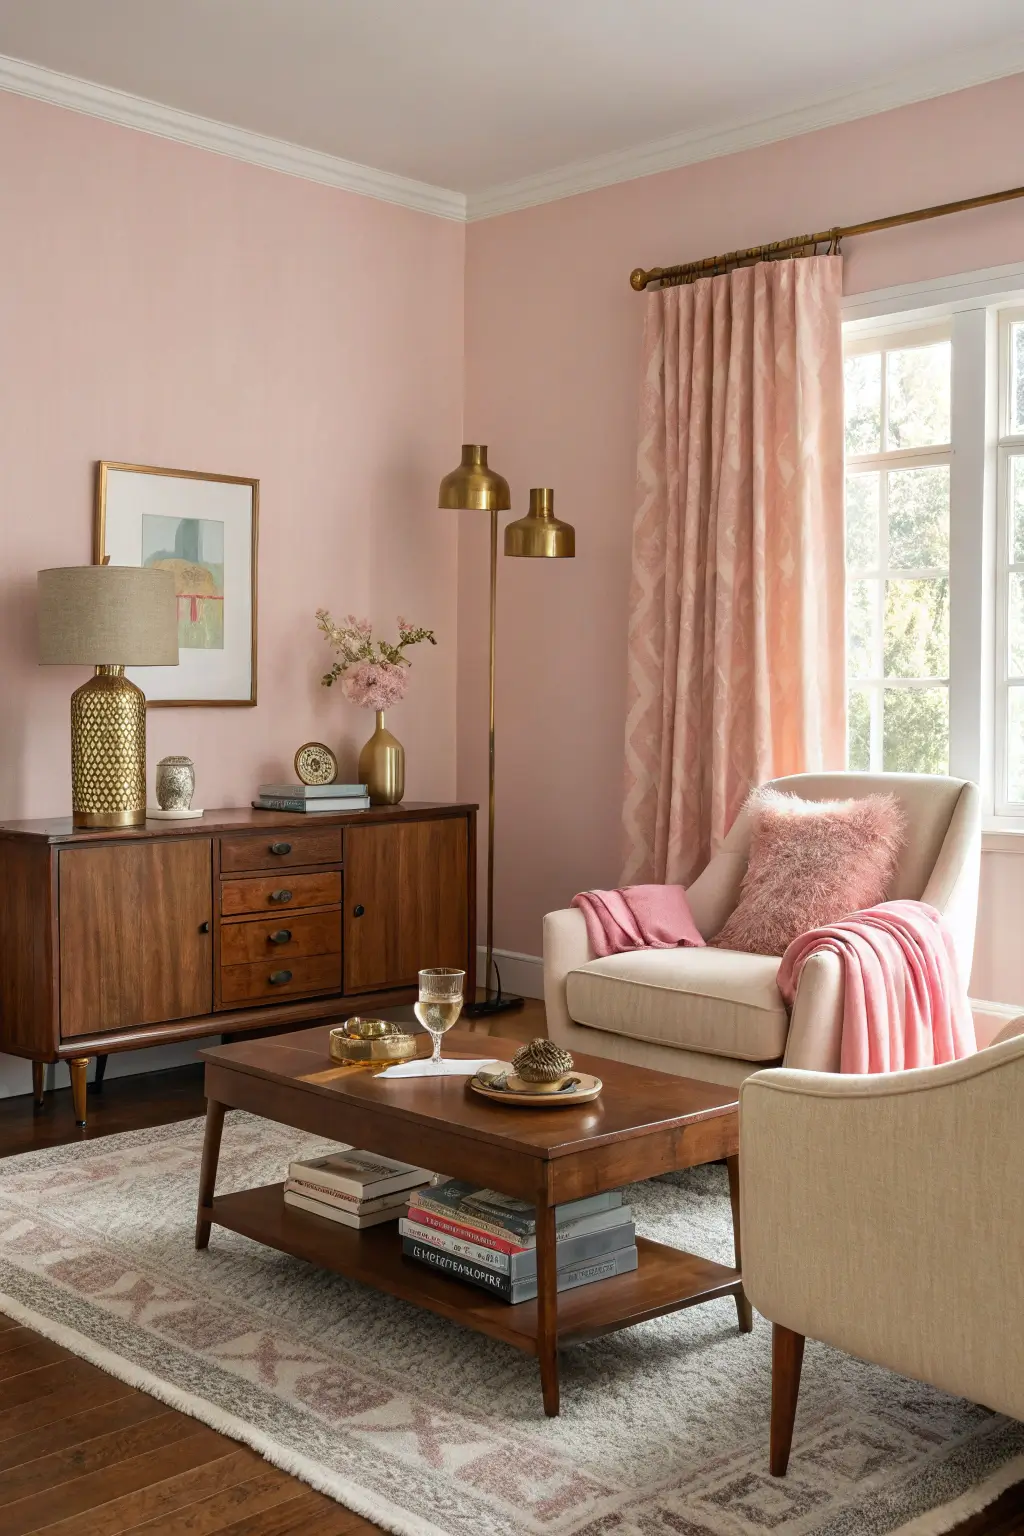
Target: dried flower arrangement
[373,673]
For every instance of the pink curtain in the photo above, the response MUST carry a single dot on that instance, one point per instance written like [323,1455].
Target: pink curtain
[736,624]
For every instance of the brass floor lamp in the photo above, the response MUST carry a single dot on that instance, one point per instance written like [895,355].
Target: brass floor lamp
[474,487]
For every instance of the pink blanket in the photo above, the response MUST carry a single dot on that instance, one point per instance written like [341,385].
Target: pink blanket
[638,917]
[905,1004]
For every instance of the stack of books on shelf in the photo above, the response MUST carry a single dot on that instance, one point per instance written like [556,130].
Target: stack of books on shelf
[312,797]
[490,1239]
[357,1189]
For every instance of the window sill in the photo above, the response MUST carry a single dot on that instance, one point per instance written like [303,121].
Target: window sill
[1004,836]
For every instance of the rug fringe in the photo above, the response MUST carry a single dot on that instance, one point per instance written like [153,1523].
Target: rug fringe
[946,1517]
[399,1522]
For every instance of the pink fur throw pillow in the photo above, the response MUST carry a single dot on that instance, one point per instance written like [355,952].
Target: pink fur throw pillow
[811,863]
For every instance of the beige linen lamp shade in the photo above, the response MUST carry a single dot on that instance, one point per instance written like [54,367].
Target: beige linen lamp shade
[107,615]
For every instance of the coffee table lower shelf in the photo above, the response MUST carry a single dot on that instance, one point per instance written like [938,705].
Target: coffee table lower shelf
[665,1280]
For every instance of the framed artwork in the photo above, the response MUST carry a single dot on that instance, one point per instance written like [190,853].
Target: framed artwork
[202,528]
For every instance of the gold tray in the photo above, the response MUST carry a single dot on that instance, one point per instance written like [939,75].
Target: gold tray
[587,1088]
[375,1040]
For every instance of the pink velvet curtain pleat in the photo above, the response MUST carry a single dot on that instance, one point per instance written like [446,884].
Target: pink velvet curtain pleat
[736,626]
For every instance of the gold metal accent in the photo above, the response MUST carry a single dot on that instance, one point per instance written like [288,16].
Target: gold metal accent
[806,245]
[100,557]
[373,1040]
[315,764]
[108,751]
[540,533]
[382,766]
[473,487]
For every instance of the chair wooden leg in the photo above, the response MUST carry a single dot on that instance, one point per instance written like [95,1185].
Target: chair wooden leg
[787,1358]
[79,1078]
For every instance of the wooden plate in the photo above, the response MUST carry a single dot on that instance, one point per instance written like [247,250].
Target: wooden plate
[587,1088]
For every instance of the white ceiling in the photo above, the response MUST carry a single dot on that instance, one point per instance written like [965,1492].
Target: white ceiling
[472,95]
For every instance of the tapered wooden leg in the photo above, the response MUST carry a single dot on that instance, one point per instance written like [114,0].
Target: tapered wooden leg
[39,1081]
[744,1313]
[208,1170]
[547,1307]
[787,1358]
[101,1070]
[79,1078]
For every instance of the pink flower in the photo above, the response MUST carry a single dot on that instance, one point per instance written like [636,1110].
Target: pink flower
[374,684]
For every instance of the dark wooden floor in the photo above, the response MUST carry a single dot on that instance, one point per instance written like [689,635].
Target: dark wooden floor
[81,1454]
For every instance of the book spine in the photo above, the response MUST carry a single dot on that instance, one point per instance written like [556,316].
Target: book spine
[474,1252]
[280,803]
[523,1265]
[353,1203]
[455,1211]
[458,1268]
[429,1218]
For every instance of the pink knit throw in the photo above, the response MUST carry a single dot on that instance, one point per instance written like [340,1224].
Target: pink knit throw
[905,1004]
[638,917]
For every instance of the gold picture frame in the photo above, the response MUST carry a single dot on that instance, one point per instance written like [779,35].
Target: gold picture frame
[120,505]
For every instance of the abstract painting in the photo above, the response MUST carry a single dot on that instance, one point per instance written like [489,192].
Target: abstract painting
[202,528]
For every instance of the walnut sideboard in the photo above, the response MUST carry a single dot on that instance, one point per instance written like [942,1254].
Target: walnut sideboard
[244,920]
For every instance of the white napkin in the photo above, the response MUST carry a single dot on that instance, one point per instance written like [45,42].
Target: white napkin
[448,1066]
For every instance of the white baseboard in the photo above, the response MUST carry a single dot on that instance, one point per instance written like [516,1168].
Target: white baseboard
[519,973]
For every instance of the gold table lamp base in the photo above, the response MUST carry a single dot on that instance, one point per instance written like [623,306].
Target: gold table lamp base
[108,751]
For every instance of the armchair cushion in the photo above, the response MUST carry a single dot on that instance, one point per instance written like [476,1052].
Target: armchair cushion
[714,1000]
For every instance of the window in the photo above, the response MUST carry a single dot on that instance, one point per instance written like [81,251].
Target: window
[1010,568]
[898,454]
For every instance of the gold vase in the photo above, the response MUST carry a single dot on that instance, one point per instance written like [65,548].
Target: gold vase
[382,766]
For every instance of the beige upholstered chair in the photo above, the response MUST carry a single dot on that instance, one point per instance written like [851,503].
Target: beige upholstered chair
[883,1215]
[717,1014]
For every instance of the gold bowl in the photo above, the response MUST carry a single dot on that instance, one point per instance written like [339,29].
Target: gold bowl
[375,1040]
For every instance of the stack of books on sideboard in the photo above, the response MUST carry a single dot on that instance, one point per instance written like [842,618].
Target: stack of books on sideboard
[353,1188]
[310,798]
[490,1239]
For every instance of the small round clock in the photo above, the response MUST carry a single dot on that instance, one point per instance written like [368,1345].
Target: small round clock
[316,764]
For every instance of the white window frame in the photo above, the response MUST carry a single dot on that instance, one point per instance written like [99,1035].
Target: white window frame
[1009,445]
[896,338]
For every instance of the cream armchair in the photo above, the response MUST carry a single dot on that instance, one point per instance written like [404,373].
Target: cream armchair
[883,1215]
[717,1014]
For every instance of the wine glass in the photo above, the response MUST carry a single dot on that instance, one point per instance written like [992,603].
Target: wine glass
[440,1002]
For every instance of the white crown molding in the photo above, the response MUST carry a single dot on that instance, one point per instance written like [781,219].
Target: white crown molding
[223,139]
[973,68]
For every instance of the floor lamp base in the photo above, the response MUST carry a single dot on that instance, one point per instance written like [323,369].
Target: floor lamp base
[486,1007]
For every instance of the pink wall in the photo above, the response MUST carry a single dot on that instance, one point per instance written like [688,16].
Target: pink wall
[552,339]
[163,305]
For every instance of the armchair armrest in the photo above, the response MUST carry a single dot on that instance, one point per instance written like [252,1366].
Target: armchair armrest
[881,1214]
[566,946]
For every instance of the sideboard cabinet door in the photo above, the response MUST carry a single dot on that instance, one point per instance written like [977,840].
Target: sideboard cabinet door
[135,943]
[405,901]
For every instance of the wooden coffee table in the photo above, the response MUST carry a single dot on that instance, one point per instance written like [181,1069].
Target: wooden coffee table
[643,1124]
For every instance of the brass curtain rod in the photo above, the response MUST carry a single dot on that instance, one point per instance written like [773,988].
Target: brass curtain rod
[671,277]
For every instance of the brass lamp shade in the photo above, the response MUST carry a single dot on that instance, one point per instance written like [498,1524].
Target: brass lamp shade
[540,533]
[473,487]
[108,616]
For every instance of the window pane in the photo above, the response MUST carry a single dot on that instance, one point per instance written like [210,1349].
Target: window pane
[916,634]
[861,627]
[1016,468]
[858,731]
[1015,626]
[1017,377]
[862,396]
[862,501]
[918,518]
[915,730]
[918,384]
[1015,746]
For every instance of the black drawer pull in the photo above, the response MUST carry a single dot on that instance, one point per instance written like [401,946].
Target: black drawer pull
[278,978]
[358,911]
[282,936]
[204,927]
[280,847]
[280,895]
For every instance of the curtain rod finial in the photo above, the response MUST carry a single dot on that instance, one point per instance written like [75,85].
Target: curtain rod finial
[638,279]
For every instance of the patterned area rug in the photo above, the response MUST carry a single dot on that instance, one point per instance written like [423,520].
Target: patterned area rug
[431,1430]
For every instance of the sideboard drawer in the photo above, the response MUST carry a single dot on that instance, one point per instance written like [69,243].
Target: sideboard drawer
[280,893]
[279,977]
[280,938]
[281,849]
